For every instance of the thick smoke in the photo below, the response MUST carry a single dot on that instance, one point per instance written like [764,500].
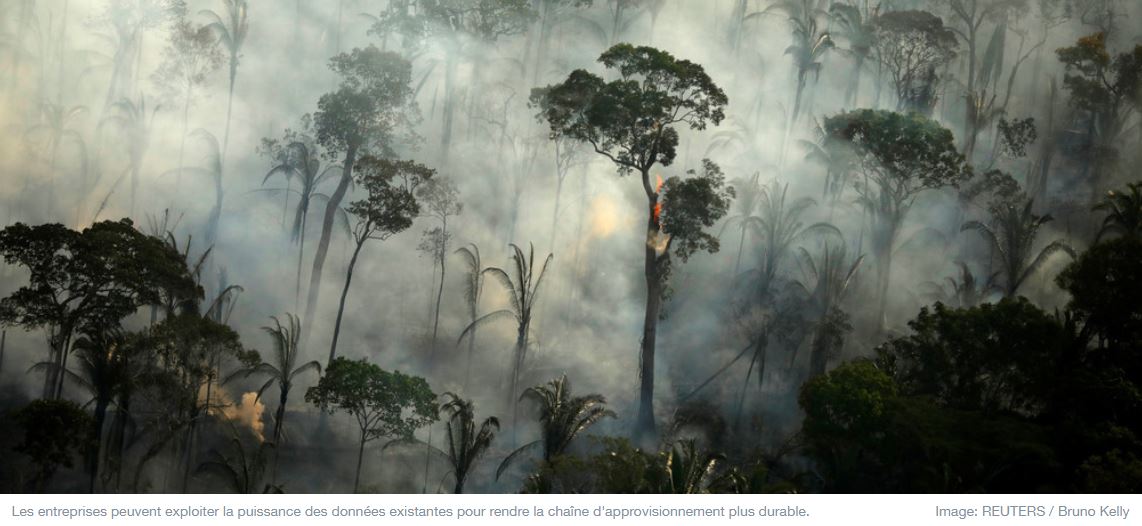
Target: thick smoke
[591,303]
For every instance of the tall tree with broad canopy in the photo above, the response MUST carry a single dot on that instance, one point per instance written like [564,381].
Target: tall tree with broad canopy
[896,157]
[633,121]
[89,278]
[912,46]
[385,404]
[1109,89]
[388,209]
[367,114]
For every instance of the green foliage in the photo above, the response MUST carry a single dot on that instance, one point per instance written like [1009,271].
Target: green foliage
[691,205]
[466,442]
[1104,85]
[385,404]
[562,417]
[243,470]
[390,204]
[912,45]
[96,276]
[373,103]
[851,400]
[54,432]
[631,120]
[1123,212]
[1012,233]
[904,153]
[868,436]
[619,467]
[1105,283]
[283,367]
[1016,135]
[992,358]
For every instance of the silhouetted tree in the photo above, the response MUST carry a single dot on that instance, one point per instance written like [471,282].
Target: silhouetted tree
[283,368]
[1123,212]
[388,209]
[440,200]
[232,33]
[562,417]
[522,286]
[93,277]
[385,405]
[1012,234]
[466,442]
[897,157]
[631,121]
[54,432]
[912,46]
[191,56]
[367,114]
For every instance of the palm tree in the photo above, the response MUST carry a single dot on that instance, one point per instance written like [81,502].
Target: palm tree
[522,295]
[242,472]
[1123,212]
[810,43]
[688,470]
[213,170]
[749,193]
[473,288]
[284,369]
[300,160]
[832,277]
[854,24]
[1012,237]
[964,291]
[232,33]
[779,226]
[54,129]
[562,417]
[466,442]
[135,123]
[100,367]
[828,152]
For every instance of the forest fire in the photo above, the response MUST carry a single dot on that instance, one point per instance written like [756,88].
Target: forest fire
[903,251]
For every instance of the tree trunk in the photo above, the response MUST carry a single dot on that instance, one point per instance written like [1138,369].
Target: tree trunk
[279,417]
[328,219]
[645,425]
[741,247]
[182,141]
[100,417]
[300,255]
[853,90]
[884,277]
[517,366]
[341,305]
[360,457]
[229,106]
[449,103]
[440,290]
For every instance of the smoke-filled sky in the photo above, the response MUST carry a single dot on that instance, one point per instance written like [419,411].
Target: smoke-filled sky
[60,55]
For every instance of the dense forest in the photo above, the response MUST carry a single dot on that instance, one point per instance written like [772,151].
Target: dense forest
[642,246]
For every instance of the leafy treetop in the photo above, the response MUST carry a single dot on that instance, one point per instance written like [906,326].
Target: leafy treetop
[631,120]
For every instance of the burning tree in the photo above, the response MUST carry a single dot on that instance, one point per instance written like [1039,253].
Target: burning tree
[632,121]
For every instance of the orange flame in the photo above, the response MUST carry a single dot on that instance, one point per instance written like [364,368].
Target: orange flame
[657,205]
